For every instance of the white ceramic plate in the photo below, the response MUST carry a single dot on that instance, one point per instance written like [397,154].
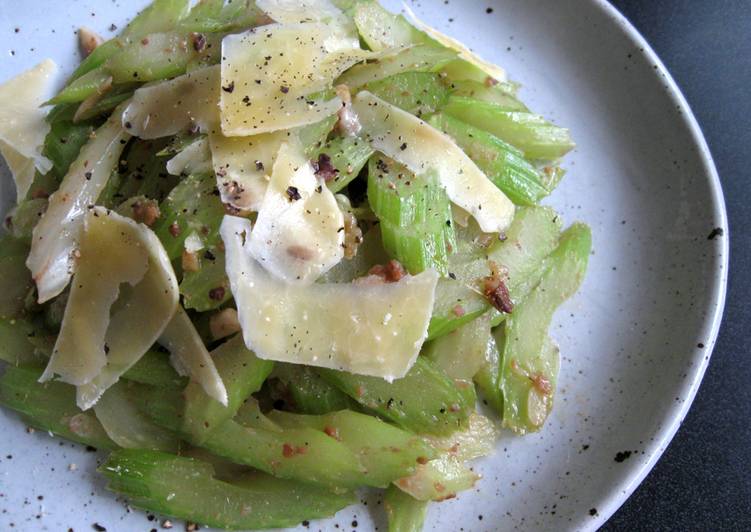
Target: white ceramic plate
[635,340]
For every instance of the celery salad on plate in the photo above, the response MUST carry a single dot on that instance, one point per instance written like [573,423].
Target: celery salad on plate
[269,253]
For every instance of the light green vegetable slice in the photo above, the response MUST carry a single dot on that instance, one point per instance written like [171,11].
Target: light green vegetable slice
[386,323]
[186,488]
[502,93]
[208,288]
[216,16]
[15,346]
[419,93]
[127,426]
[50,407]
[195,158]
[421,58]
[56,236]
[382,30]
[461,353]
[22,219]
[15,281]
[531,133]
[307,391]
[422,148]
[529,367]
[346,155]
[442,406]
[405,513]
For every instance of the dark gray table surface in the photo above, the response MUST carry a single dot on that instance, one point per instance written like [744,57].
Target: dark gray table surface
[703,481]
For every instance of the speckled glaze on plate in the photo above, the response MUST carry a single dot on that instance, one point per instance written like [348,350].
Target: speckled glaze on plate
[636,339]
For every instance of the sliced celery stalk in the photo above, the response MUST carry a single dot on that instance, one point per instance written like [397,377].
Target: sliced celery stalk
[486,379]
[154,368]
[309,393]
[382,30]
[218,16]
[15,347]
[63,143]
[421,58]
[532,236]
[531,133]
[501,162]
[22,219]
[15,281]
[186,488]
[347,156]
[242,374]
[83,87]
[441,407]
[51,407]
[383,450]
[191,207]
[461,353]
[405,513]
[529,367]
[414,214]
[502,94]
[418,93]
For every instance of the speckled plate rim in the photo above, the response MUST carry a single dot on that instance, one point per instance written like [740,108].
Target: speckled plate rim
[613,500]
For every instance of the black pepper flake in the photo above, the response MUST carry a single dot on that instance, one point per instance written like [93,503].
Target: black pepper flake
[106,349]
[593,512]
[293,193]
[452,275]
[229,88]
[323,168]
[489,10]
[209,255]
[98,527]
[622,456]
[199,41]
[87,175]
[128,125]
[717,231]
[90,449]
[259,166]
[403,146]
[284,89]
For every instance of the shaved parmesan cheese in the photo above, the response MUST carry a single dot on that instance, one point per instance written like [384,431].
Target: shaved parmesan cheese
[243,165]
[55,237]
[269,73]
[189,355]
[22,124]
[194,159]
[292,11]
[105,330]
[494,71]
[368,329]
[299,234]
[173,106]
[421,148]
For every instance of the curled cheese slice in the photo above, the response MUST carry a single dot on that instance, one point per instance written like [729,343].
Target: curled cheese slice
[292,11]
[492,70]
[299,234]
[22,123]
[195,158]
[190,357]
[108,327]
[173,106]
[270,73]
[421,148]
[367,329]
[55,237]
[243,166]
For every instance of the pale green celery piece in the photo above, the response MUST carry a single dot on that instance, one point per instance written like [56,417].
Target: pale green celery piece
[347,155]
[461,353]
[127,426]
[157,56]
[208,287]
[142,173]
[83,87]
[155,369]
[532,236]
[63,143]
[186,488]
[15,347]
[414,213]
[22,219]
[309,393]
[529,366]
[420,58]
[419,93]
[501,93]
[50,407]
[160,16]
[531,133]
[442,406]
[313,136]
[384,451]
[242,374]
[551,176]
[15,281]
[192,206]
[106,104]
[504,165]
[405,513]
[381,29]
[487,378]
[462,70]
[218,16]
